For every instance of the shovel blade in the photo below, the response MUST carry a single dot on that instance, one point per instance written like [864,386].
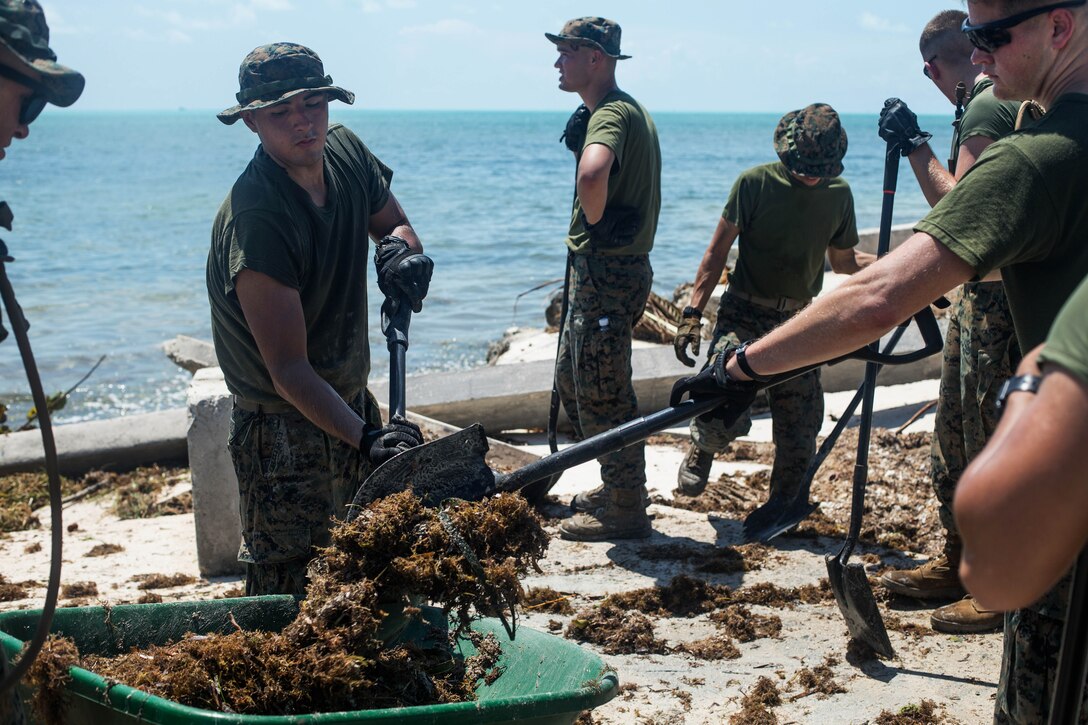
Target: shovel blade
[855,598]
[451,467]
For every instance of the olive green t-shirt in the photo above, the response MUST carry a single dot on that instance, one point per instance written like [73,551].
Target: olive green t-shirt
[1020,208]
[785,230]
[624,126]
[984,115]
[1067,343]
[269,224]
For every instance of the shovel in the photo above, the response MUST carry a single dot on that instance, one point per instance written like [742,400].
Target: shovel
[849,582]
[454,466]
[774,519]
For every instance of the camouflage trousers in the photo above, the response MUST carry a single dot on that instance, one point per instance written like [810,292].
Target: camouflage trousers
[593,366]
[797,405]
[293,478]
[1029,667]
[980,353]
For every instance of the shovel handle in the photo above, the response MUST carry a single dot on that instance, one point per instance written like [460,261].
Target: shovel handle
[396,316]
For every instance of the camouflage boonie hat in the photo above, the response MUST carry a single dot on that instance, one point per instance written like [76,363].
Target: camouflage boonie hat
[25,33]
[599,32]
[811,141]
[275,72]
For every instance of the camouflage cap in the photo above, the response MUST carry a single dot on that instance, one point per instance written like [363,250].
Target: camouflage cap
[24,32]
[599,32]
[275,72]
[811,141]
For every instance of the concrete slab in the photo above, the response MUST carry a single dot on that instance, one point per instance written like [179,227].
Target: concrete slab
[115,444]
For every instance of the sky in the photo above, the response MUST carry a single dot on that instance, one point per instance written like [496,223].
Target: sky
[710,55]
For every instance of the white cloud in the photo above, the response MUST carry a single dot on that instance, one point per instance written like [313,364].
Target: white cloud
[869,21]
[448,26]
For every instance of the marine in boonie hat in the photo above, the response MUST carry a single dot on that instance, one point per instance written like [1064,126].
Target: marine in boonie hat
[272,73]
[811,141]
[24,32]
[599,32]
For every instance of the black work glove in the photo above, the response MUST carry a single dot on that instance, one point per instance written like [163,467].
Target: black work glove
[898,125]
[402,272]
[713,382]
[574,135]
[397,436]
[690,333]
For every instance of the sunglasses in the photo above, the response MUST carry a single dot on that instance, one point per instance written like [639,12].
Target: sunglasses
[990,36]
[32,105]
[925,67]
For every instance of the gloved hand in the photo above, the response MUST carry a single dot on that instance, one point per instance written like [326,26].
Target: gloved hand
[713,382]
[397,436]
[574,135]
[898,125]
[690,333]
[402,272]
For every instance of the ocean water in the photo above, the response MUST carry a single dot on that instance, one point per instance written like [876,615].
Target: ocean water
[113,214]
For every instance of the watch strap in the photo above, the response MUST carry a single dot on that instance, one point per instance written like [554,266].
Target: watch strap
[1017,384]
[742,362]
[690,311]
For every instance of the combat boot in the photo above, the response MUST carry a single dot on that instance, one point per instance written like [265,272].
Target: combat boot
[595,498]
[694,471]
[938,578]
[622,517]
[965,617]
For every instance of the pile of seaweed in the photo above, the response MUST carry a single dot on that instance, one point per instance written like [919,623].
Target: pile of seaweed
[466,559]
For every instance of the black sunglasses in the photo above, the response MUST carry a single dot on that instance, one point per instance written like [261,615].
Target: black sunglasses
[925,66]
[990,36]
[32,105]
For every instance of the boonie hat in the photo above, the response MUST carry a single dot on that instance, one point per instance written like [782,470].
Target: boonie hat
[811,141]
[24,31]
[596,31]
[272,73]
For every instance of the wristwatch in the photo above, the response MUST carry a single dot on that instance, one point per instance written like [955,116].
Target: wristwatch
[1017,384]
[742,362]
[690,311]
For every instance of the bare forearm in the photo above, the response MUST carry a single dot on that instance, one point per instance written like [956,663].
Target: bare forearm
[1021,506]
[302,387]
[862,309]
[933,177]
[593,195]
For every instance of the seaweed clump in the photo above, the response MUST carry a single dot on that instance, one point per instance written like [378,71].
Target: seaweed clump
[340,652]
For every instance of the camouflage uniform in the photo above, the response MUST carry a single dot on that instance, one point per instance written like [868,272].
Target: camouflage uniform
[797,405]
[980,353]
[1029,665]
[292,479]
[593,370]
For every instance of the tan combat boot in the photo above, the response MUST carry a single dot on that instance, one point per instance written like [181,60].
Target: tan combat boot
[694,471]
[622,517]
[966,617]
[938,578]
[595,498]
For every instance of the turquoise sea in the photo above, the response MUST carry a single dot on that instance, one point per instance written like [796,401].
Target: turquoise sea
[113,214]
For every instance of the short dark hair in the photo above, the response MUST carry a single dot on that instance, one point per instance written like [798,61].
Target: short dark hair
[943,35]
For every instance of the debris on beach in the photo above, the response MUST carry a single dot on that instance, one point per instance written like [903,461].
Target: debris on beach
[546,599]
[10,591]
[162,581]
[104,549]
[756,703]
[467,559]
[924,713]
[76,590]
[819,680]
